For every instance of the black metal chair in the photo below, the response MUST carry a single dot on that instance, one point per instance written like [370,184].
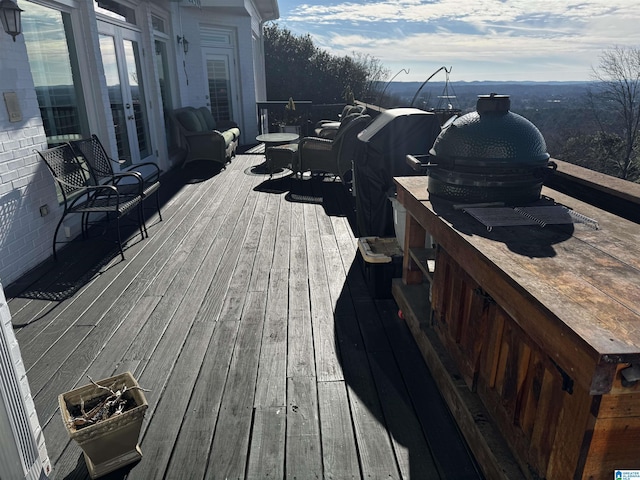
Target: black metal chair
[102,164]
[81,192]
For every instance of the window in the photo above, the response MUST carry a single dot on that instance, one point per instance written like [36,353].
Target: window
[113,9]
[54,66]
[158,24]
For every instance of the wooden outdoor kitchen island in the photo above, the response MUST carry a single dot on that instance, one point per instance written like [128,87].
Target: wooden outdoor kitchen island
[532,326]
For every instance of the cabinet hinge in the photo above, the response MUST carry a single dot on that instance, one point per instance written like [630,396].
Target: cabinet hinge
[567,381]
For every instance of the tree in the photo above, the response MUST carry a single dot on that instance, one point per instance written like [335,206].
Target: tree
[376,74]
[597,151]
[618,77]
[296,68]
[287,62]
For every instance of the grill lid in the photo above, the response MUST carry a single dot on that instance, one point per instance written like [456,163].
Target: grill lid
[492,136]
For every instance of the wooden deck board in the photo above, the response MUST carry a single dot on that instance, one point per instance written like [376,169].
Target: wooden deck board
[266,458]
[246,315]
[201,414]
[303,455]
[339,450]
[446,446]
[271,385]
[229,450]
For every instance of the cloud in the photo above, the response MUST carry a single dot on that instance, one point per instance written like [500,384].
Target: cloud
[503,32]
[478,11]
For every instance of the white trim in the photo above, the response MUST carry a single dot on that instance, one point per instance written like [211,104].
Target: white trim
[64,5]
[167,38]
[108,18]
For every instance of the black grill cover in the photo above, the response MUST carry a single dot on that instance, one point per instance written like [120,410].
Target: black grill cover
[384,145]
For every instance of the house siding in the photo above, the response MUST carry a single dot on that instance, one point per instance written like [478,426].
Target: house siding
[25,185]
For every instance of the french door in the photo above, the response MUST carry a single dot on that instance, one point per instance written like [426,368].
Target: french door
[223,98]
[121,58]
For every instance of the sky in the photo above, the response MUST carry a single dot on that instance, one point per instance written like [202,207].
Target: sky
[479,40]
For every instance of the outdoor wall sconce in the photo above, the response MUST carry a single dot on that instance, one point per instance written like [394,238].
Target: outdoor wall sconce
[10,17]
[181,40]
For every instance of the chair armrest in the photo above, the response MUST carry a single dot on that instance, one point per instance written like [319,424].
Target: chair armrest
[155,175]
[320,123]
[226,124]
[117,161]
[315,143]
[198,135]
[120,179]
[108,189]
[92,192]
[329,133]
[206,145]
[202,139]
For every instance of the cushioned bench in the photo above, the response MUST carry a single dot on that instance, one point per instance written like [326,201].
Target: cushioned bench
[204,138]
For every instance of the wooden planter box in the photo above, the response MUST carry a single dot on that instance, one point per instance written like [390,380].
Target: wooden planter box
[112,443]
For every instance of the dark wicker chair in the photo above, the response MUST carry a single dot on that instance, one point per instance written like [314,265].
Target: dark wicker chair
[332,155]
[316,154]
[102,164]
[81,193]
[329,128]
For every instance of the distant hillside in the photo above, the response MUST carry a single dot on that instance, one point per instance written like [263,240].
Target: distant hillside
[524,95]
[558,109]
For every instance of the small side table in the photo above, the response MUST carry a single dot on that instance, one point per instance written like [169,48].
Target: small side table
[278,158]
[274,139]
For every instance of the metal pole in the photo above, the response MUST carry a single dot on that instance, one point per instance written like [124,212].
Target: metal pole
[425,82]
[381,97]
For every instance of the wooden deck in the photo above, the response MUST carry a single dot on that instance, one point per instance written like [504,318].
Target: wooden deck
[246,314]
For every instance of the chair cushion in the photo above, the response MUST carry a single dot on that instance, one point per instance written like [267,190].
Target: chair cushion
[189,120]
[207,118]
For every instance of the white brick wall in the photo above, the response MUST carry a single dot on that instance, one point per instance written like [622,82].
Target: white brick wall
[25,185]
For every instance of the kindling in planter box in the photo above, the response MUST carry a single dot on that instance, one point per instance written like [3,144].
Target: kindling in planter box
[105,418]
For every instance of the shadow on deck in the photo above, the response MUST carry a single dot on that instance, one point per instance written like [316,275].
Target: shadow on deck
[246,314]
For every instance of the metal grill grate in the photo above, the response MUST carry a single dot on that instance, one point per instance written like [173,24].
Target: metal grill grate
[546,215]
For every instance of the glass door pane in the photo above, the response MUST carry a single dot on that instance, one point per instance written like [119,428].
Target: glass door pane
[116,96]
[136,93]
[121,58]
[219,79]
